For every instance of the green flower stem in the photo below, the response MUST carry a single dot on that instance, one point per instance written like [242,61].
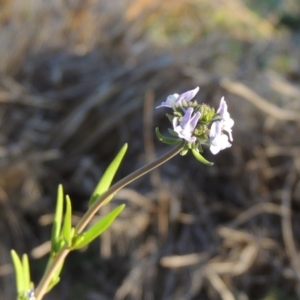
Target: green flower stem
[44,283]
[87,217]
[61,255]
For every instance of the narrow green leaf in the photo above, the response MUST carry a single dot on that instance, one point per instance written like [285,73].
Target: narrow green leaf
[67,226]
[77,240]
[99,227]
[54,281]
[200,158]
[108,176]
[18,272]
[166,140]
[57,220]
[26,272]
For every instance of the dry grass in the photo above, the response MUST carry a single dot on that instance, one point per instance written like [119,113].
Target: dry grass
[79,80]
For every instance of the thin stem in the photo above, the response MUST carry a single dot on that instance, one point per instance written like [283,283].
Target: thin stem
[123,182]
[86,218]
[43,285]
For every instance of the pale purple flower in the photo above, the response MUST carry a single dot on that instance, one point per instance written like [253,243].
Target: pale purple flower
[219,140]
[176,99]
[187,125]
[224,114]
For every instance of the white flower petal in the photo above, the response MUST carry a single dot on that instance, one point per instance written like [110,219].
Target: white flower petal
[219,143]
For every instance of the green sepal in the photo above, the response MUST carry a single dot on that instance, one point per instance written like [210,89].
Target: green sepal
[200,158]
[57,223]
[173,133]
[99,227]
[185,149]
[207,113]
[170,117]
[199,148]
[20,283]
[67,226]
[166,140]
[107,177]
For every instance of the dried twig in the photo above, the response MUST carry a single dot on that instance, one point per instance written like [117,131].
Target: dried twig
[245,92]
[220,286]
[254,211]
[287,229]
[177,261]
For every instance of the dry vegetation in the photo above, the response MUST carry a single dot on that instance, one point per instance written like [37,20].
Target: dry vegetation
[81,78]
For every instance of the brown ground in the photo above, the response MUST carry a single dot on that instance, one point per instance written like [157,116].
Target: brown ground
[79,79]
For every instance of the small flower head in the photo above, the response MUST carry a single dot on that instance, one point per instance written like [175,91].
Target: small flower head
[174,99]
[198,124]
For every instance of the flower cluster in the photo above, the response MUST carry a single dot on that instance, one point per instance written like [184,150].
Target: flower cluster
[198,124]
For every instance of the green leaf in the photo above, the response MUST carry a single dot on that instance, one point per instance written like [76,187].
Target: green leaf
[99,227]
[166,140]
[54,281]
[77,240]
[200,158]
[67,226]
[57,220]
[26,273]
[107,177]
[18,272]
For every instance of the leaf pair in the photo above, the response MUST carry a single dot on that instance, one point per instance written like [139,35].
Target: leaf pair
[63,234]
[93,232]
[22,271]
[62,231]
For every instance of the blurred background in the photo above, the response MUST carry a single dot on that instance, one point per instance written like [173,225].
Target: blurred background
[78,79]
